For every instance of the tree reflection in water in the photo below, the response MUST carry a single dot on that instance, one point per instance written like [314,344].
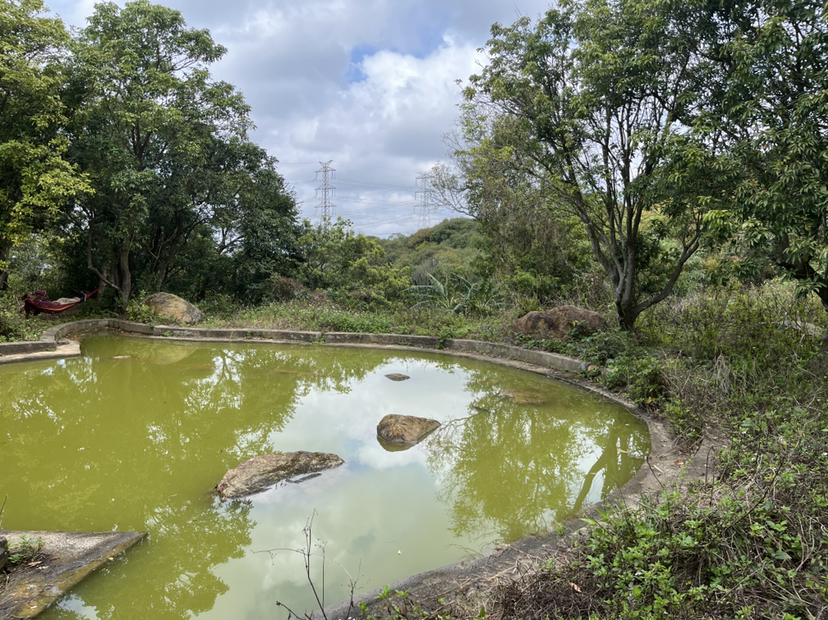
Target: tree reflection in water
[516,464]
[133,435]
[125,428]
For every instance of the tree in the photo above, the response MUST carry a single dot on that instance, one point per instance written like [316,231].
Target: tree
[592,98]
[154,134]
[771,100]
[36,181]
[336,258]
[539,249]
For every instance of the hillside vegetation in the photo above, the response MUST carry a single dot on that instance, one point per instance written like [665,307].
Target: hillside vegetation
[660,162]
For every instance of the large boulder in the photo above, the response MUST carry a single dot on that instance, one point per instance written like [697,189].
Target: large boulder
[558,322]
[262,472]
[404,430]
[174,308]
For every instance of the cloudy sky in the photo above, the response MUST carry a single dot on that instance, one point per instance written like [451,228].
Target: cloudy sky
[369,85]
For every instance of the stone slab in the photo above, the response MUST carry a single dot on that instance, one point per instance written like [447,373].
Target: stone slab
[65,559]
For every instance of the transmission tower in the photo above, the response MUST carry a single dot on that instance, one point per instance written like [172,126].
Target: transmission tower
[325,208]
[427,199]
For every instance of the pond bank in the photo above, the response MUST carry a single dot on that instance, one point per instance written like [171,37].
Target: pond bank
[466,580]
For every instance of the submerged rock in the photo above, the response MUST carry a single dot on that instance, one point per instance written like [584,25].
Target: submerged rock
[174,308]
[262,472]
[395,376]
[523,397]
[405,430]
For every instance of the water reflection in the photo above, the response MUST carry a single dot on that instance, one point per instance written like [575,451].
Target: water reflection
[515,463]
[134,434]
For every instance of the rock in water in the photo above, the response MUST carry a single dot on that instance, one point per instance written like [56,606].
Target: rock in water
[405,430]
[395,376]
[262,472]
[174,308]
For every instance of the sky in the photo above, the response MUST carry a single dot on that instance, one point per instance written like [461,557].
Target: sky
[369,86]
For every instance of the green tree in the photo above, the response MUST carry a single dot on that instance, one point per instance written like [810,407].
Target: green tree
[153,134]
[771,99]
[336,258]
[539,249]
[450,247]
[36,181]
[591,98]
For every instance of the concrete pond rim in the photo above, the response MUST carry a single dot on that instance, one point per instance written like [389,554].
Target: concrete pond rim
[466,582]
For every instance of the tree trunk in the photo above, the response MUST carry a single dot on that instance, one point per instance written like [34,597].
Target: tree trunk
[125,273]
[5,253]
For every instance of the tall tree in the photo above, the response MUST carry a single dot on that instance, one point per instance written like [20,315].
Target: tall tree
[772,101]
[151,126]
[595,91]
[35,178]
[538,248]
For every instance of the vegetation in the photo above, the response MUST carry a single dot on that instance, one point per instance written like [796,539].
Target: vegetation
[661,162]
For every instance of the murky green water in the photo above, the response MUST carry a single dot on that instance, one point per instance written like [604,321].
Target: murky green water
[133,435]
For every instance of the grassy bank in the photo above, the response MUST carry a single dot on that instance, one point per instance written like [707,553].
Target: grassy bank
[752,543]
[735,362]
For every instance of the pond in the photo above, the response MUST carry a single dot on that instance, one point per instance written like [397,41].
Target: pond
[132,436]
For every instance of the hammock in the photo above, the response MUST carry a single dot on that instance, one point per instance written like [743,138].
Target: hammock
[35,302]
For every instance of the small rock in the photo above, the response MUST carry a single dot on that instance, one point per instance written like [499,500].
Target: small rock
[395,376]
[262,472]
[405,430]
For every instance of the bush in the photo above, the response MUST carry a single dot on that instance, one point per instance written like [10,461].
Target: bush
[13,322]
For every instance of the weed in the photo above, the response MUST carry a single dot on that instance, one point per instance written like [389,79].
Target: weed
[26,550]
[139,312]
[308,554]
[458,295]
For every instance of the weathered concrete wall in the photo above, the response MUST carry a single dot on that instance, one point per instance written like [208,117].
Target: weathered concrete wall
[50,338]
[666,464]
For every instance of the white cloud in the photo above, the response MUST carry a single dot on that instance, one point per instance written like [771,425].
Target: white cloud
[369,84]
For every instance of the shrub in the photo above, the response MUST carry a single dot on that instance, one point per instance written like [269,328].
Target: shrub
[13,322]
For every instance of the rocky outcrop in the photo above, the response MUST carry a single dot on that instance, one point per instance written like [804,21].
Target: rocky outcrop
[174,308]
[558,322]
[4,552]
[395,376]
[405,430]
[262,472]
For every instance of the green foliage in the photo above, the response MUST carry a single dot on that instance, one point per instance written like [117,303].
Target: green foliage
[336,259]
[182,198]
[584,124]
[458,295]
[139,312]
[36,181]
[640,376]
[771,58]
[13,323]
[26,551]
[744,323]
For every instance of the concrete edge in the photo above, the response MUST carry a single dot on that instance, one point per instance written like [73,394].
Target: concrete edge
[666,465]
[50,341]
[64,560]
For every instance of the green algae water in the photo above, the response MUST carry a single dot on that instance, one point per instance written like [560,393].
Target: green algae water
[132,436]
